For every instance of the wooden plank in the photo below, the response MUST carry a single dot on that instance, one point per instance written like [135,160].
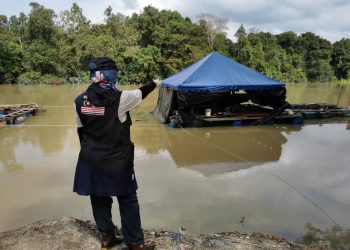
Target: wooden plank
[16,114]
[255,114]
[289,116]
[319,110]
[242,118]
[12,107]
[216,119]
[18,105]
[232,118]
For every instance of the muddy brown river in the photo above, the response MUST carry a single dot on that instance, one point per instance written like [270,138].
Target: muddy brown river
[206,179]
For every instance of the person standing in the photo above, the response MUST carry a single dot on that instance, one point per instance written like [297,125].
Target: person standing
[105,166]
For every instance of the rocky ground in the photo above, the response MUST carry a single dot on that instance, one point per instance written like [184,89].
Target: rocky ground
[68,233]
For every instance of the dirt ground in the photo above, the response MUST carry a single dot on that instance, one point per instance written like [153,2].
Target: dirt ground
[69,233]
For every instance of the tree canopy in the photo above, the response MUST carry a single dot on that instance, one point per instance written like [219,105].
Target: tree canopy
[43,46]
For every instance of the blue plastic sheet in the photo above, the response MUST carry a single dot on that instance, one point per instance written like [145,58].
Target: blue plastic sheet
[216,73]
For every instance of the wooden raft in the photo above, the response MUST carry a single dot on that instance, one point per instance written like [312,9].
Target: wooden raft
[320,110]
[283,118]
[15,112]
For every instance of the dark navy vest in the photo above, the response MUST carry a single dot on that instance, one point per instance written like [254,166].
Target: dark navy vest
[105,141]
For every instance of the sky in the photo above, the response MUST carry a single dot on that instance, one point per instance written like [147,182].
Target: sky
[326,18]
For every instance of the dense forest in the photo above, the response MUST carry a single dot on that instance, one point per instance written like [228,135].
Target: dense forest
[46,47]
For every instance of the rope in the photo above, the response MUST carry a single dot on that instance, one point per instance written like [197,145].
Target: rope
[305,196]
[214,145]
[340,93]
[269,171]
[68,125]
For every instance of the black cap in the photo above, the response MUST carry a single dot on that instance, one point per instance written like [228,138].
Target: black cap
[100,63]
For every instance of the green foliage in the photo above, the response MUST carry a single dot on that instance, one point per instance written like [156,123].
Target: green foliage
[224,45]
[29,77]
[240,33]
[37,48]
[337,237]
[3,21]
[41,56]
[73,20]
[316,52]
[33,77]
[81,77]
[141,65]
[341,59]
[41,25]
[213,26]
[17,26]
[146,23]
[287,41]
[52,80]
[180,41]
[11,67]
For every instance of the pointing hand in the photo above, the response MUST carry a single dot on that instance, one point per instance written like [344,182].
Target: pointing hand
[157,82]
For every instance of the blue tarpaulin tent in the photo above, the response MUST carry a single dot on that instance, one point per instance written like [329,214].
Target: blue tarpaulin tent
[221,85]
[216,72]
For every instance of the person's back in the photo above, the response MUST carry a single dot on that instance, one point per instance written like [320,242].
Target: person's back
[105,166]
[106,140]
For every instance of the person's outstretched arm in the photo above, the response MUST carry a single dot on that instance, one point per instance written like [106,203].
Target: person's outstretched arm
[147,88]
[130,99]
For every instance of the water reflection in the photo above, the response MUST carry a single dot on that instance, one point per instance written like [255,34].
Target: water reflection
[7,151]
[31,147]
[212,151]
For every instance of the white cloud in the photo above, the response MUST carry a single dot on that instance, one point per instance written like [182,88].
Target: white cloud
[327,18]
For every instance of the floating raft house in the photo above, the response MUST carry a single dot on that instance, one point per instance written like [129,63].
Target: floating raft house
[217,90]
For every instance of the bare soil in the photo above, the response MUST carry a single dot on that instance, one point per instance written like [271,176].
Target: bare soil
[69,233]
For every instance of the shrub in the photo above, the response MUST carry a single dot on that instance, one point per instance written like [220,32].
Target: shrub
[52,80]
[30,77]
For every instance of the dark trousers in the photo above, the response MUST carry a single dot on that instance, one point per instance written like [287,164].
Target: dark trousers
[129,210]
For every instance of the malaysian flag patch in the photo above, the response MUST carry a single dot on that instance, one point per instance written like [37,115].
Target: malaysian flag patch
[92,110]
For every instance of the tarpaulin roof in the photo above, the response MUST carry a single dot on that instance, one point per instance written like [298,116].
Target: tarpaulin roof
[216,72]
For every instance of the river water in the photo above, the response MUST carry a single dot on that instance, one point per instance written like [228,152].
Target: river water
[206,179]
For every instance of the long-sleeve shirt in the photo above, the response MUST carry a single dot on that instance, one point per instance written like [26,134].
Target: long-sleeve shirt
[129,100]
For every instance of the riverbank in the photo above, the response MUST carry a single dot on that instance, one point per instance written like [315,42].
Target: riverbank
[69,233]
